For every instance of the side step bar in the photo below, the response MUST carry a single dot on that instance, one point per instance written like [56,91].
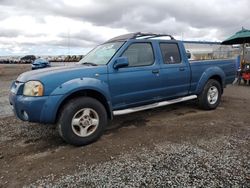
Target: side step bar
[154,105]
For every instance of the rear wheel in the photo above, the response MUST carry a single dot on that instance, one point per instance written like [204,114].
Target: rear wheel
[210,97]
[82,121]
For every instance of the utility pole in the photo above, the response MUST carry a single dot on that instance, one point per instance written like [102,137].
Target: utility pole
[68,43]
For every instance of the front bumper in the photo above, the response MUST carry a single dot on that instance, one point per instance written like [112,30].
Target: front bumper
[35,109]
[34,67]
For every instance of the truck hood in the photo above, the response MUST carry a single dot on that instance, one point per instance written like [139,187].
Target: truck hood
[62,71]
[55,76]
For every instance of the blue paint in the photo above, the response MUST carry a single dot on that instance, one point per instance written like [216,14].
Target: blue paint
[237,64]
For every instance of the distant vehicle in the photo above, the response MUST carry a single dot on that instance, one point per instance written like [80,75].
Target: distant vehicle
[40,63]
[126,74]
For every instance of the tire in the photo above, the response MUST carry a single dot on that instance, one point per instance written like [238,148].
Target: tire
[245,82]
[82,121]
[210,96]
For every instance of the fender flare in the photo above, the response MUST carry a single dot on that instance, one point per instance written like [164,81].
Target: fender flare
[209,73]
[80,84]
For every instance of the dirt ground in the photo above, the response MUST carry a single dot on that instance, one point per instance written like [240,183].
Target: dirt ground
[178,145]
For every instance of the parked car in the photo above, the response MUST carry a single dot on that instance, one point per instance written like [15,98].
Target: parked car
[126,74]
[40,63]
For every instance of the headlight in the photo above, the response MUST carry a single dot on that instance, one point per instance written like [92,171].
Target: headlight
[33,88]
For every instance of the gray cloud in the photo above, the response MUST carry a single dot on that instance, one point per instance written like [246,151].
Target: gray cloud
[64,41]
[190,18]
[83,35]
[138,15]
[9,33]
[199,14]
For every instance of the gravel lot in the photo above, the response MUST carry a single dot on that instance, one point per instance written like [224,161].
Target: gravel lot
[173,146]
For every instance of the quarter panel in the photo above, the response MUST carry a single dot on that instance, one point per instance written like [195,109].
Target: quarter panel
[203,70]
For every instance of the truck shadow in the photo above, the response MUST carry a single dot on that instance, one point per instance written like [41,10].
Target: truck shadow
[140,119]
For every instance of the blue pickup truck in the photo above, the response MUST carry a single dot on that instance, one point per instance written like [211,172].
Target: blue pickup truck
[126,74]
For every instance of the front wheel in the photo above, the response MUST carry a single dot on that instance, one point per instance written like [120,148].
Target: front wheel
[82,121]
[210,97]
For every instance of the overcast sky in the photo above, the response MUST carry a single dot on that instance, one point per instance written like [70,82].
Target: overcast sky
[52,27]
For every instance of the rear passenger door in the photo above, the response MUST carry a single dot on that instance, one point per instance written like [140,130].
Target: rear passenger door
[175,72]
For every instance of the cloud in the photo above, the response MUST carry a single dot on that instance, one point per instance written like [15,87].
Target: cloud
[9,33]
[90,22]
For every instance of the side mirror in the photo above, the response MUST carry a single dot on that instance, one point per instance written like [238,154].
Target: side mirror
[121,62]
[188,54]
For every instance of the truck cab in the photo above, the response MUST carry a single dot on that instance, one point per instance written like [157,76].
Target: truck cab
[162,64]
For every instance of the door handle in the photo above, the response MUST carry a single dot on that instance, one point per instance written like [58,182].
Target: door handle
[155,71]
[181,69]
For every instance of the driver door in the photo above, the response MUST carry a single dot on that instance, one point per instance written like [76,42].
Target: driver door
[137,83]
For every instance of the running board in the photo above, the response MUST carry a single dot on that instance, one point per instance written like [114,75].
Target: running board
[154,105]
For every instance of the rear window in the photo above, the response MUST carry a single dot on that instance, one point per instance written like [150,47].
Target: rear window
[170,53]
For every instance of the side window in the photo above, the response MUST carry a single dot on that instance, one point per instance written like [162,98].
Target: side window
[170,53]
[139,54]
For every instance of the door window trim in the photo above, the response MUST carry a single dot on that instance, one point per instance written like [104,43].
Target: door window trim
[178,51]
[153,62]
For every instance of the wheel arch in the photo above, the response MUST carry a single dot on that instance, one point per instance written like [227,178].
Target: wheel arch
[219,79]
[86,93]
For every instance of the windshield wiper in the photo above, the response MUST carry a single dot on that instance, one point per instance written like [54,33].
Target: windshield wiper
[89,63]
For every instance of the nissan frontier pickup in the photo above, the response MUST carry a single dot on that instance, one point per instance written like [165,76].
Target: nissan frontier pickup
[126,74]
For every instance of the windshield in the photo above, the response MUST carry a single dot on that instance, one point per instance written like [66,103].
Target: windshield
[101,54]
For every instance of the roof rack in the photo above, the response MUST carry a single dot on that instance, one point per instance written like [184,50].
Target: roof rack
[139,35]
